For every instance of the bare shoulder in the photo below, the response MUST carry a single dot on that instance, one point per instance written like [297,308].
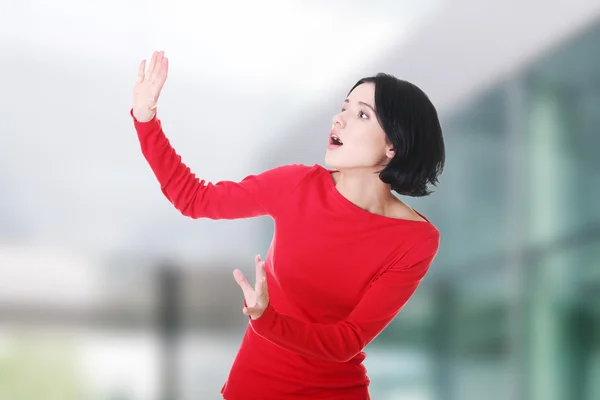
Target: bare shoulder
[402,211]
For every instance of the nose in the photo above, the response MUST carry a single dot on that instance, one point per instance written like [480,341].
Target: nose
[338,120]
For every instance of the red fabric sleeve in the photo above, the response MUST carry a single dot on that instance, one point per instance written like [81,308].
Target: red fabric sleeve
[343,340]
[255,195]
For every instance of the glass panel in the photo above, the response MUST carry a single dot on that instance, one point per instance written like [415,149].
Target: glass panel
[470,206]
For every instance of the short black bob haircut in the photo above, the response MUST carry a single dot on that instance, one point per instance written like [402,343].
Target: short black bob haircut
[411,124]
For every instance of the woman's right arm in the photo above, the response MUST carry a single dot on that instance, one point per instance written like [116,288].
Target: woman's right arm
[255,195]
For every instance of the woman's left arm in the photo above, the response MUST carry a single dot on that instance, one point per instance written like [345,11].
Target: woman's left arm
[343,340]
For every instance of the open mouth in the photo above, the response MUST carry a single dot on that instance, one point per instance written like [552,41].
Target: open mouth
[334,140]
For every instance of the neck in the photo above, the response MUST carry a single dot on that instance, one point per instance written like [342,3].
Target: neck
[365,190]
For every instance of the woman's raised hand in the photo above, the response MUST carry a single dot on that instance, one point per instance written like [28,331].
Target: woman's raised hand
[149,85]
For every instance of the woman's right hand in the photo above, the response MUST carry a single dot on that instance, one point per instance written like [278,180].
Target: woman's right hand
[148,86]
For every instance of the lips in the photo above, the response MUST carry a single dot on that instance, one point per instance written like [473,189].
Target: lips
[334,139]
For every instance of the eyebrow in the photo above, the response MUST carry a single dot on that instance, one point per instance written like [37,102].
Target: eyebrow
[362,103]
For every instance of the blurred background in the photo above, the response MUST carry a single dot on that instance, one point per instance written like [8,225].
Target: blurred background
[107,292]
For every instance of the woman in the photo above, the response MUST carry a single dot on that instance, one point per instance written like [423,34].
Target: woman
[346,253]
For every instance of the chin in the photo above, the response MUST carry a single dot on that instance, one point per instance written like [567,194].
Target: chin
[336,163]
[332,161]
[343,162]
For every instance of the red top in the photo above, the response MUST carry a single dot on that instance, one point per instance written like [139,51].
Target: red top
[336,274]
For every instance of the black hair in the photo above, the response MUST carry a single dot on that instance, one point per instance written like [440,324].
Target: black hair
[411,124]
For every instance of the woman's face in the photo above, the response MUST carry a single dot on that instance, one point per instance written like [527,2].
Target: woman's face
[356,140]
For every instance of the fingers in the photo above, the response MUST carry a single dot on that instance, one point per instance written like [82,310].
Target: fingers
[155,76]
[161,76]
[152,64]
[257,299]
[157,70]
[253,312]
[261,276]
[243,282]
[141,71]
[158,66]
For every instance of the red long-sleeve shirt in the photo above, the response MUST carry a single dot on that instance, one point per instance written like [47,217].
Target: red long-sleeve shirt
[337,275]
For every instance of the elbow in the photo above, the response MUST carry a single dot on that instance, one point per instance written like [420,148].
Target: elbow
[346,355]
[354,345]
[344,358]
[187,207]
[188,212]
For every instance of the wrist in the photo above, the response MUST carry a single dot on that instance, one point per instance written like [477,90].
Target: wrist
[264,323]
[142,117]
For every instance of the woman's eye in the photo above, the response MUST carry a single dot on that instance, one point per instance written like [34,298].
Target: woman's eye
[362,115]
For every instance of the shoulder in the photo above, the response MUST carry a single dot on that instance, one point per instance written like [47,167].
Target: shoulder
[282,173]
[425,245]
[293,174]
[280,181]
[422,243]
[301,169]
[294,169]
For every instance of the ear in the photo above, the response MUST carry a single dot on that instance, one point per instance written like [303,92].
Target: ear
[390,152]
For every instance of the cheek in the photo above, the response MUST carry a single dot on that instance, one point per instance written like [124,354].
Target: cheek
[370,150]
[367,142]
[375,142]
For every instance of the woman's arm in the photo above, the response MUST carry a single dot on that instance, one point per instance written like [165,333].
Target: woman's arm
[255,195]
[343,340]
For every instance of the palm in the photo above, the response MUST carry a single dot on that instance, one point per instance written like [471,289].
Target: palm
[148,86]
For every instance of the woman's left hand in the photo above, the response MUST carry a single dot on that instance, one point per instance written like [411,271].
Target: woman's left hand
[257,299]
